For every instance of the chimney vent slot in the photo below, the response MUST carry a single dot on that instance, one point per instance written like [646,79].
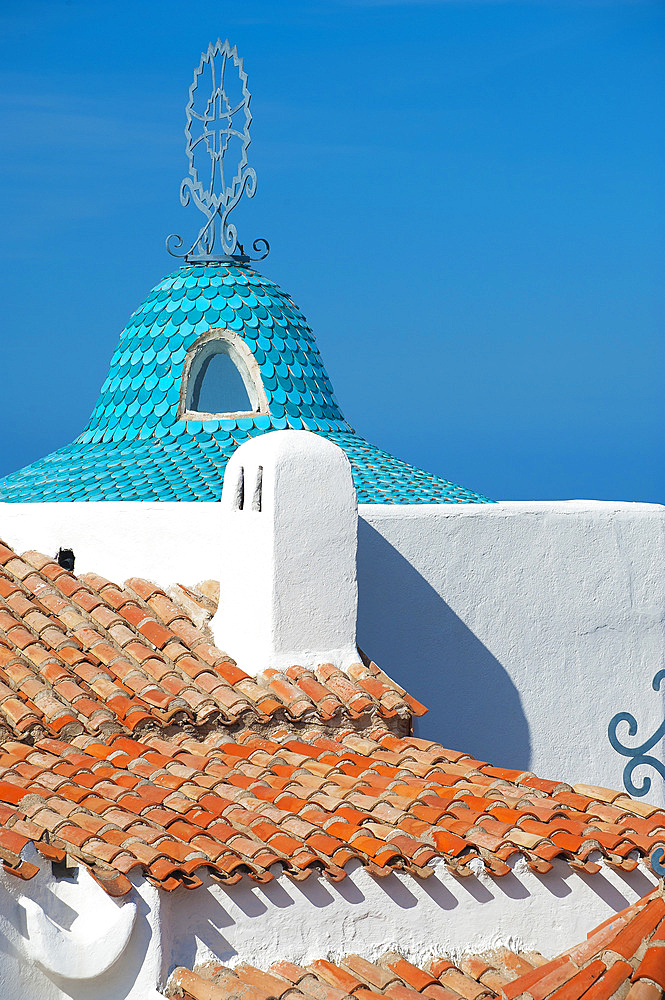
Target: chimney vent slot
[258,489]
[240,490]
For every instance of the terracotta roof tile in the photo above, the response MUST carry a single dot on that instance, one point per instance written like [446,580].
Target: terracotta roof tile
[243,803]
[94,676]
[652,966]
[644,990]
[85,655]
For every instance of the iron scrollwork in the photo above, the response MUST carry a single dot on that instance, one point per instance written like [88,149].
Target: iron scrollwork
[640,754]
[218,120]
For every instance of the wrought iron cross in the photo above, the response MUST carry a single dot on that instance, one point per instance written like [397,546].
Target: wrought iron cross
[218,120]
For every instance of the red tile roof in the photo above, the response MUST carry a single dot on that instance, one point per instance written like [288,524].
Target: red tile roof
[226,774]
[83,655]
[179,808]
[624,956]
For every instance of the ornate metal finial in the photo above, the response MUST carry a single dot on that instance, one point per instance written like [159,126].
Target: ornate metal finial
[218,121]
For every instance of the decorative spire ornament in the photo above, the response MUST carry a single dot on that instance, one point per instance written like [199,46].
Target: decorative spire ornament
[217,139]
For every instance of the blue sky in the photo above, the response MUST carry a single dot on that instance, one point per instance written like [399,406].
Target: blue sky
[467,200]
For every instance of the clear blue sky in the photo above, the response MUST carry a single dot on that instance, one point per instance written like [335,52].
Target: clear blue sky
[466,199]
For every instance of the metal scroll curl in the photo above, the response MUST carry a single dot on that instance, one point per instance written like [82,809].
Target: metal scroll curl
[639,755]
[217,134]
[261,247]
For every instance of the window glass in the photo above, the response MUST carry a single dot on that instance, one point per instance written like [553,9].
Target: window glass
[216,385]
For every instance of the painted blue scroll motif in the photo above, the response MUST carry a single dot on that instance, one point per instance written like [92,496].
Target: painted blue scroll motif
[639,755]
[656,859]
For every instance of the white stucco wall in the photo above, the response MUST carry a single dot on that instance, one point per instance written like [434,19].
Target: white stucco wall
[439,916]
[288,586]
[45,921]
[524,626]
[296,921]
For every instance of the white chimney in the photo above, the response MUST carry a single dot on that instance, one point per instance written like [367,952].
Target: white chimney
[288,586]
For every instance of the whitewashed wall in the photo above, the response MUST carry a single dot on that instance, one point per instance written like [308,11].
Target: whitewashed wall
[288,584]
[47,926]
[53,926]
[524,626]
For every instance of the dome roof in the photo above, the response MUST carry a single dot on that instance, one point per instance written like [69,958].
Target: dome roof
[141,443]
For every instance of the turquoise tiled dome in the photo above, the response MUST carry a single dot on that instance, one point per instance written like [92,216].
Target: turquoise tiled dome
[137,447]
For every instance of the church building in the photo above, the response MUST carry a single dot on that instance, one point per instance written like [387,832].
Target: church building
[283,716]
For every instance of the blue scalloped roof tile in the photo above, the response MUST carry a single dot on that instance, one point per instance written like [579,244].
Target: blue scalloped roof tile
[135,447]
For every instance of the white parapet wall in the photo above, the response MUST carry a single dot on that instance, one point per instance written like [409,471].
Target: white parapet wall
[67,940]
[421,918]
[526,627]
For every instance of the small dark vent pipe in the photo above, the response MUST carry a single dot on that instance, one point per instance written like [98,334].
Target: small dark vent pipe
[65,558]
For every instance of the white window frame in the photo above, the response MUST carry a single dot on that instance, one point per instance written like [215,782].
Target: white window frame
[245,363]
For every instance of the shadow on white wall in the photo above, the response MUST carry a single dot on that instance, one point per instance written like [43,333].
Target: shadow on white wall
[440,915]
[473,703]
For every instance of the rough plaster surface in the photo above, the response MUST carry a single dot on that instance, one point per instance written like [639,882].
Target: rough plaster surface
[288,522]
[524,629]
[525,626]
[440,915]
[84,953]
[297,921]
[84,918]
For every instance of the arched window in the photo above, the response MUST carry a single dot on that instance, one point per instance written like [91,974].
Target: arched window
[221,378]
